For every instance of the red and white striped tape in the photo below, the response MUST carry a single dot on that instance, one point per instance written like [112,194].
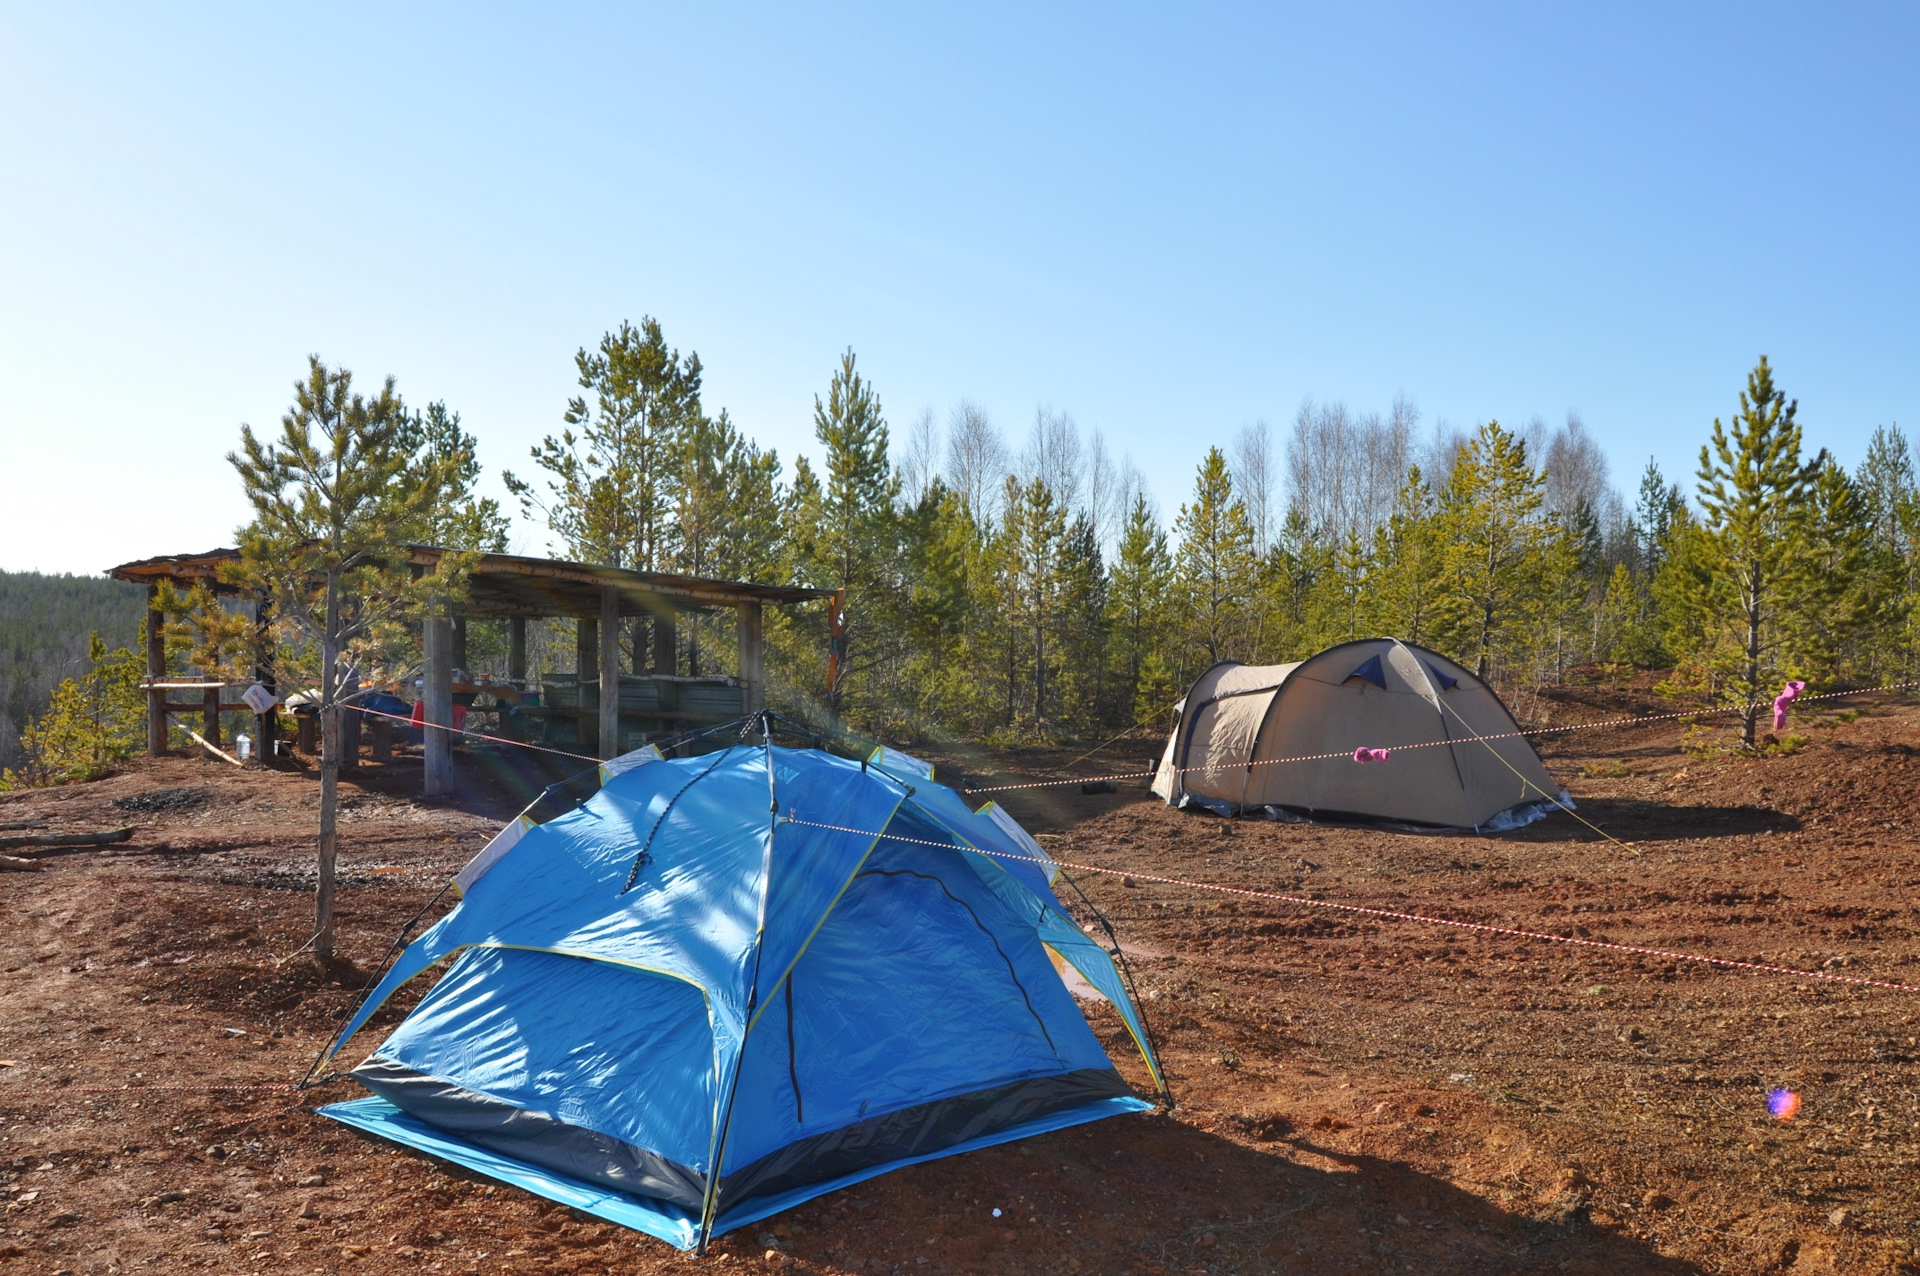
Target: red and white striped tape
[1390,914]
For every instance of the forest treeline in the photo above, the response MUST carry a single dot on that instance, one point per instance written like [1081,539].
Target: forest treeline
[45,624]
[1030,589]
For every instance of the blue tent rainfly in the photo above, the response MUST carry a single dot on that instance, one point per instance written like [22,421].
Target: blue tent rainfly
[685,1006]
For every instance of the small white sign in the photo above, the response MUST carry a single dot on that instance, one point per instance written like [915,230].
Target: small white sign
[258,698]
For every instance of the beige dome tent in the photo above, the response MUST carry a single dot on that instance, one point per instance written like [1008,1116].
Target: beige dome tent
[1240,722]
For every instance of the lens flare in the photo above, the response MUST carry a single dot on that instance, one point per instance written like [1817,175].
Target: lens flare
[1784,1104]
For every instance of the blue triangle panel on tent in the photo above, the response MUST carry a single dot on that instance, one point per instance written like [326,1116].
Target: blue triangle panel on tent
[1440,679]
[1371,671]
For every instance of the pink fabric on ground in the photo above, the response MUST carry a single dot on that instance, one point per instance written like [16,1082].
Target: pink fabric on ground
[1781,701]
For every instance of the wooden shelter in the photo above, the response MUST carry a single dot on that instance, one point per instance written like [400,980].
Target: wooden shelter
[605,705]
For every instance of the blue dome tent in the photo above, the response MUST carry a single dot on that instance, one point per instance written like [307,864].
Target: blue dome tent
[728,983]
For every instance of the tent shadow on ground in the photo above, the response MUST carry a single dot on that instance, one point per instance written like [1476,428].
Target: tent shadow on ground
[1637,821]
[1144,1194]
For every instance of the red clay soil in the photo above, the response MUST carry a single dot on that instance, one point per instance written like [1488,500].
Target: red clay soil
[1353,1094]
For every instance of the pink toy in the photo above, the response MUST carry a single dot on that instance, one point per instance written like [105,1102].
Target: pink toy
[1781,701]
[1370,755]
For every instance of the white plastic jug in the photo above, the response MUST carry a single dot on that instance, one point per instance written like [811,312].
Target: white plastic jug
[244,743]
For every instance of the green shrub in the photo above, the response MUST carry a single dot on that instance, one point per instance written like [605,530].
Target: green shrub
[90,723]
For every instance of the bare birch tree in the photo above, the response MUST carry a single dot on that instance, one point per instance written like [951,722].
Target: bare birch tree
[1576,469]
[1106,505]
[1053,455]
[977,461]
[1255,478]
[1441,452]
[1344,472]
[919,458]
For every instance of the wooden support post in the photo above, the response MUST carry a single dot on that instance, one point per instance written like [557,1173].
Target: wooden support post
[753,657]
[381,729]
[666,642]
[517,650]
[268,731]
[586,663]
[156,669]
[609,672]
[210,715]
[460,645]
[307,741]
[437,692]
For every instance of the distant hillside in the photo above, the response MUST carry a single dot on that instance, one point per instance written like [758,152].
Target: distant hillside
[44,625]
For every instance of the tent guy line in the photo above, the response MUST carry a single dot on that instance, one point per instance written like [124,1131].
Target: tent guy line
[55,1092]
[477,735]
[1640,720]
[1565,806]
[1422,918]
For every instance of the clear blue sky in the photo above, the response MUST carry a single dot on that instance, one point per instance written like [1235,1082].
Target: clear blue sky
[1168,222]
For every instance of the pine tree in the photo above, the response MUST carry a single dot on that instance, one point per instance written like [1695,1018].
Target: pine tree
[1760,579]
[857,500]
[1137,598]
[1215,589]
[1616,626]
[1080,691]
[845,532]
[797,637]
[1291,578]
[1839,535]
[1408,558]
[1499,547]
[335,501]
[1635,634]
[1349,582]
[947,591]
[609,488]
[89,724]
[725,501]
[447,459]
[1677,617]
[1573,586]
[1033,535]
[1891,569]
[1660,502]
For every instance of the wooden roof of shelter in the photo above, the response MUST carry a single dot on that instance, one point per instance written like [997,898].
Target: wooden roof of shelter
[505,585]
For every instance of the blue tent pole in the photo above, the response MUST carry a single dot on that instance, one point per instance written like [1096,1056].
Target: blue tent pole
[709,1205]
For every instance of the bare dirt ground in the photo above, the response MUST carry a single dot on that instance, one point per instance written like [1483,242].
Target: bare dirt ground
[1352,1094]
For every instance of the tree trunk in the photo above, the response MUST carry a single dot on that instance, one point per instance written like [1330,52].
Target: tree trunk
[1039,668]
[329,831]
[329,776]
[1749,716]
[157,670]
[1013,669]
[1486,630]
